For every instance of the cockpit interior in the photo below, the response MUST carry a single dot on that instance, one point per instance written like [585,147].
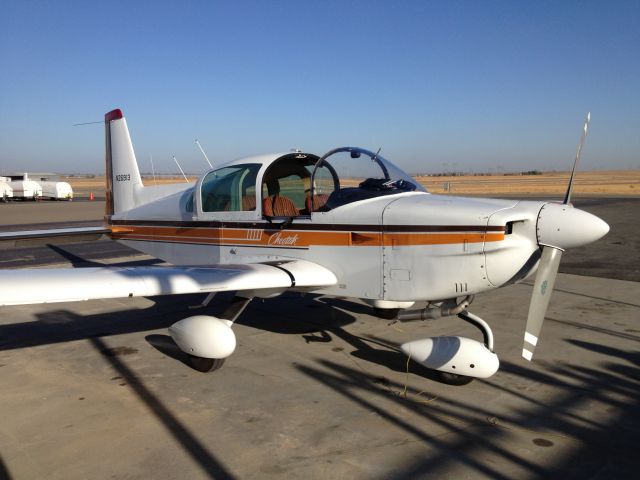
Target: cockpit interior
[298,184]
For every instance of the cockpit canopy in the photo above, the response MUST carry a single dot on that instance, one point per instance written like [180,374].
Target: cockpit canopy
[298,184]
[231,188]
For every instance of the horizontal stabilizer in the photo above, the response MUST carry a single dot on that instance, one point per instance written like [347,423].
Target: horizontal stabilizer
[53,232]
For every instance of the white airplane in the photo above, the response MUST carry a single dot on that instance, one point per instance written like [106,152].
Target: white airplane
[349,224]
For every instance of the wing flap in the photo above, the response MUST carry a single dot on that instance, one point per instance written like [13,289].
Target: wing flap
[32,286]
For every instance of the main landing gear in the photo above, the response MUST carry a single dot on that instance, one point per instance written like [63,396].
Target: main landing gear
[205,365]
[207,340]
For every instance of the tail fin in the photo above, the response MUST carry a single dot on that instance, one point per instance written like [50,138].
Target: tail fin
[123,176]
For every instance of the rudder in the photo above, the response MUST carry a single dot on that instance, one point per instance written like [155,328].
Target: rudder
[122,173]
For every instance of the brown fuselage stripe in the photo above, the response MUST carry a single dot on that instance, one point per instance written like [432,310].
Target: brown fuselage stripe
[306,226]
[295,238]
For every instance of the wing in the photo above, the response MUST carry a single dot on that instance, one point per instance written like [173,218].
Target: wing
[30,286]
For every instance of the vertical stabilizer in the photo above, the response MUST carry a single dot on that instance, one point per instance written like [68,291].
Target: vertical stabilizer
[122,173]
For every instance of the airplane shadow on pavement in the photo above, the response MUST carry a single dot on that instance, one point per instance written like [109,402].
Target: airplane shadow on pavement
[481,443]
[476,436]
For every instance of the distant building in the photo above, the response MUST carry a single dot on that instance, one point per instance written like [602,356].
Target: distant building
[36,176]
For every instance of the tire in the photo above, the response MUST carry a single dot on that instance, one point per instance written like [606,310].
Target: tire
[453,378]
[386,313]
[205,365]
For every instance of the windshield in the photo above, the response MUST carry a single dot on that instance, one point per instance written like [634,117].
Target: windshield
[349,174]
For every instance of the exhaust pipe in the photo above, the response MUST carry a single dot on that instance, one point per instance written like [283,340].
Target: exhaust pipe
[447,309]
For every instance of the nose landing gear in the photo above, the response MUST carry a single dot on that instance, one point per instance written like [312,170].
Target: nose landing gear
[457,359]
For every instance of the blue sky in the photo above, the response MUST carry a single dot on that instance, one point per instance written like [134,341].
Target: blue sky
[472,85]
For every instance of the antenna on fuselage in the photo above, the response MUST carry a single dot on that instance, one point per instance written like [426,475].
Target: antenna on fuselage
[181,171]
[204,154]
[87,123]
[153,170]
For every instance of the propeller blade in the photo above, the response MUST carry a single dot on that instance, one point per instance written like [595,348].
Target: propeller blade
[542,288]
[585,129]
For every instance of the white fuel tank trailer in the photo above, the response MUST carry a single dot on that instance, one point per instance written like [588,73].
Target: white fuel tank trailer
[6,192]
[40,185]
[24,188]
[56,190]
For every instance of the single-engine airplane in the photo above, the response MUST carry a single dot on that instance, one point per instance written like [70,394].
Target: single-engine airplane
[348,223]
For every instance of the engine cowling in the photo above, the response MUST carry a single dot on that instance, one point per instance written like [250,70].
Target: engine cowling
[204,336]
[459,355]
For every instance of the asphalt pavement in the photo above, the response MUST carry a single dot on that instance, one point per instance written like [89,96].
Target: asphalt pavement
[317,387]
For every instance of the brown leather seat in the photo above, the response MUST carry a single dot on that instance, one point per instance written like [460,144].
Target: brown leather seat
[319,199]
[248,204]
[277,206]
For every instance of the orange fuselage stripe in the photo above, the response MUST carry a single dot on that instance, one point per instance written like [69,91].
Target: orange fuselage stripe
[296,238]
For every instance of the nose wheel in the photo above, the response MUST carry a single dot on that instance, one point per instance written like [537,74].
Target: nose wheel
[453,378]
[386,313]
[457,360]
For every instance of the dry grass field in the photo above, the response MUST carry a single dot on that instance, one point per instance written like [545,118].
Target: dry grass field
[597,183]
[97,183]
[83,186]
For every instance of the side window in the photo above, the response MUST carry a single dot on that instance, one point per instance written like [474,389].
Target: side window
[230,189]
[294,188]
[285,188]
